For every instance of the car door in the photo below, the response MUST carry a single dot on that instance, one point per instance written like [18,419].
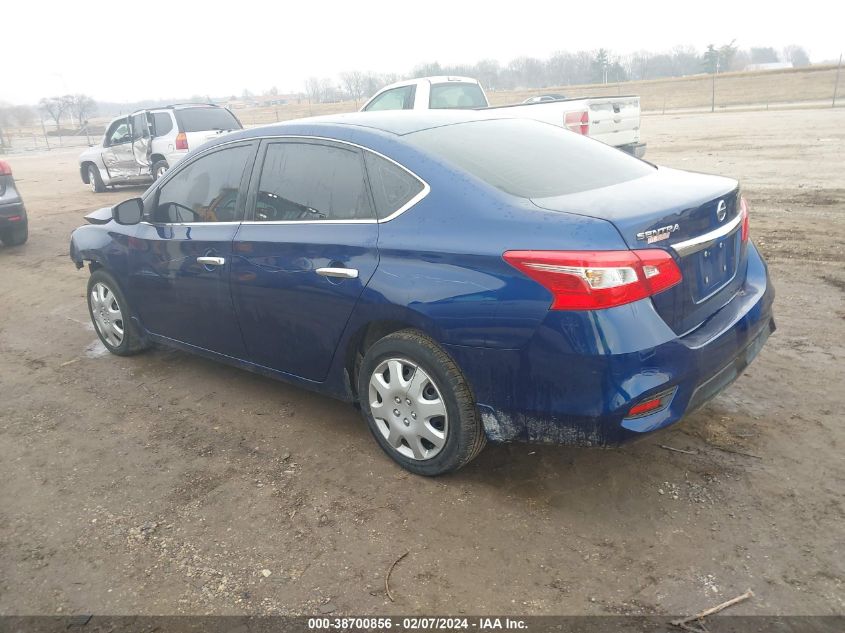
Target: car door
[304,254]
[118,157]
[182,252]
[141,142]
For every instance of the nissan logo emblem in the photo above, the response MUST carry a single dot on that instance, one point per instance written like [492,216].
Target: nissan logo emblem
[721,210]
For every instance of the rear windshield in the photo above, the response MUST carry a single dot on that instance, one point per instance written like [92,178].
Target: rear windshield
[456,95]
[530,159]
[204,119]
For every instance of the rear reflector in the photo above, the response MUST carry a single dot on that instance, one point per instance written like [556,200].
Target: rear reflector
[5,168]
[181,141]
[578,121]
[653,404]
[743,209]
[14,218]
[592,280]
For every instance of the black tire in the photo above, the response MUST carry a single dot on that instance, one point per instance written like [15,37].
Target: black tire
[159,166]
[95,180]
[464,435]
[15,236]
[131,342]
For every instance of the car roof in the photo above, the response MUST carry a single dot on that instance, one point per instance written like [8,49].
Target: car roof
[395,122]
[434,79]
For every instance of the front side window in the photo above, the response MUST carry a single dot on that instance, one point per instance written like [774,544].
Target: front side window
[456,95]
[393,187]
[206,190]
[395,99]
[308,181]
[118,132]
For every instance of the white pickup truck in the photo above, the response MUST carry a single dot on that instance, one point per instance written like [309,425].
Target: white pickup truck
[612,120]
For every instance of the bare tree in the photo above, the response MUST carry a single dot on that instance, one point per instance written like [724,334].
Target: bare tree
[81,107]
[54,108]
[312,89]
[797,55]
[354,83]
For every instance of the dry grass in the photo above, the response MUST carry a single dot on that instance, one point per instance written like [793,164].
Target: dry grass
[752,88]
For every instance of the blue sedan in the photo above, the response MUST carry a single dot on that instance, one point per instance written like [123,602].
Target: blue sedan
[462,278]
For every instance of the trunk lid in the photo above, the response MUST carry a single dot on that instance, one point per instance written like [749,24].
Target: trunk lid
[693,216]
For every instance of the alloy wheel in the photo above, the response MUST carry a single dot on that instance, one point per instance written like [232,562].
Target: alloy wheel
[408,409]
[107,314]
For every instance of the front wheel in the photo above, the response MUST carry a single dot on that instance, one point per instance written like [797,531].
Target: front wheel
[94,179]
[418,404]
[111,315]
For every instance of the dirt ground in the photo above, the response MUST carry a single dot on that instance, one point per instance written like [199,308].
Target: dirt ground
[165,483]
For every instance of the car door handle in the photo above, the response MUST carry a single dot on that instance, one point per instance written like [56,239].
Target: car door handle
[211,261]
[343,273]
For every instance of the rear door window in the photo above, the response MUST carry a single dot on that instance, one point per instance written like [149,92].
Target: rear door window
[162,123]
[395,99]
[456,95]
[312,182]
[205,119]
[393,187]
[206,190]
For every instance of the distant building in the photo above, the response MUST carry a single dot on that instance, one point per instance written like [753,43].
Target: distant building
[769,66]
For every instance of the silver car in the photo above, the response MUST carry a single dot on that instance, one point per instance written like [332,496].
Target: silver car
[139,148]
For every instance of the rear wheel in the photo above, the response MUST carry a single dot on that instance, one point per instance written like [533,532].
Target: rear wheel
[94,179]
[111,315]
[418,405]
[15,236]
[160,167]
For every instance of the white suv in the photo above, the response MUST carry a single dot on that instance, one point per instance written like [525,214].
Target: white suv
[139,148]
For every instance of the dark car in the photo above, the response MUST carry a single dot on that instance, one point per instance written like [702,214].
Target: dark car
[464,278]
[14,226]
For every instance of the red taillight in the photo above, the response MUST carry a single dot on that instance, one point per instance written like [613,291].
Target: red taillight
[743,209]
[592,280]
[5,168]
[181,141]
[578,121]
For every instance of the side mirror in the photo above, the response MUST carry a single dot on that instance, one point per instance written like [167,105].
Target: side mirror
[128,212]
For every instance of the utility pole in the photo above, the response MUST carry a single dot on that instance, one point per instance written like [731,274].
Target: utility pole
[713,88]
[836,83]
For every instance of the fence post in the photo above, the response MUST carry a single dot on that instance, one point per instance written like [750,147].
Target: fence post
[44,129]
[836,83]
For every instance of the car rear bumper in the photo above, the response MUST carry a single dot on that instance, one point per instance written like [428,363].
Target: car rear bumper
[12,214]
[578,378]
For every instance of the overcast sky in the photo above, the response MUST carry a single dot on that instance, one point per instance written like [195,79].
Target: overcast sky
[130,51]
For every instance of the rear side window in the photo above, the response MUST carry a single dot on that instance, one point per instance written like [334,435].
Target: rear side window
[456,95]
[395,99]
[528,158]
[206,190]
[392,186]
[204,119]
[308,181]
[162,123]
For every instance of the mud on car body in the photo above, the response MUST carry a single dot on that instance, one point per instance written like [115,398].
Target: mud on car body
[464,278]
